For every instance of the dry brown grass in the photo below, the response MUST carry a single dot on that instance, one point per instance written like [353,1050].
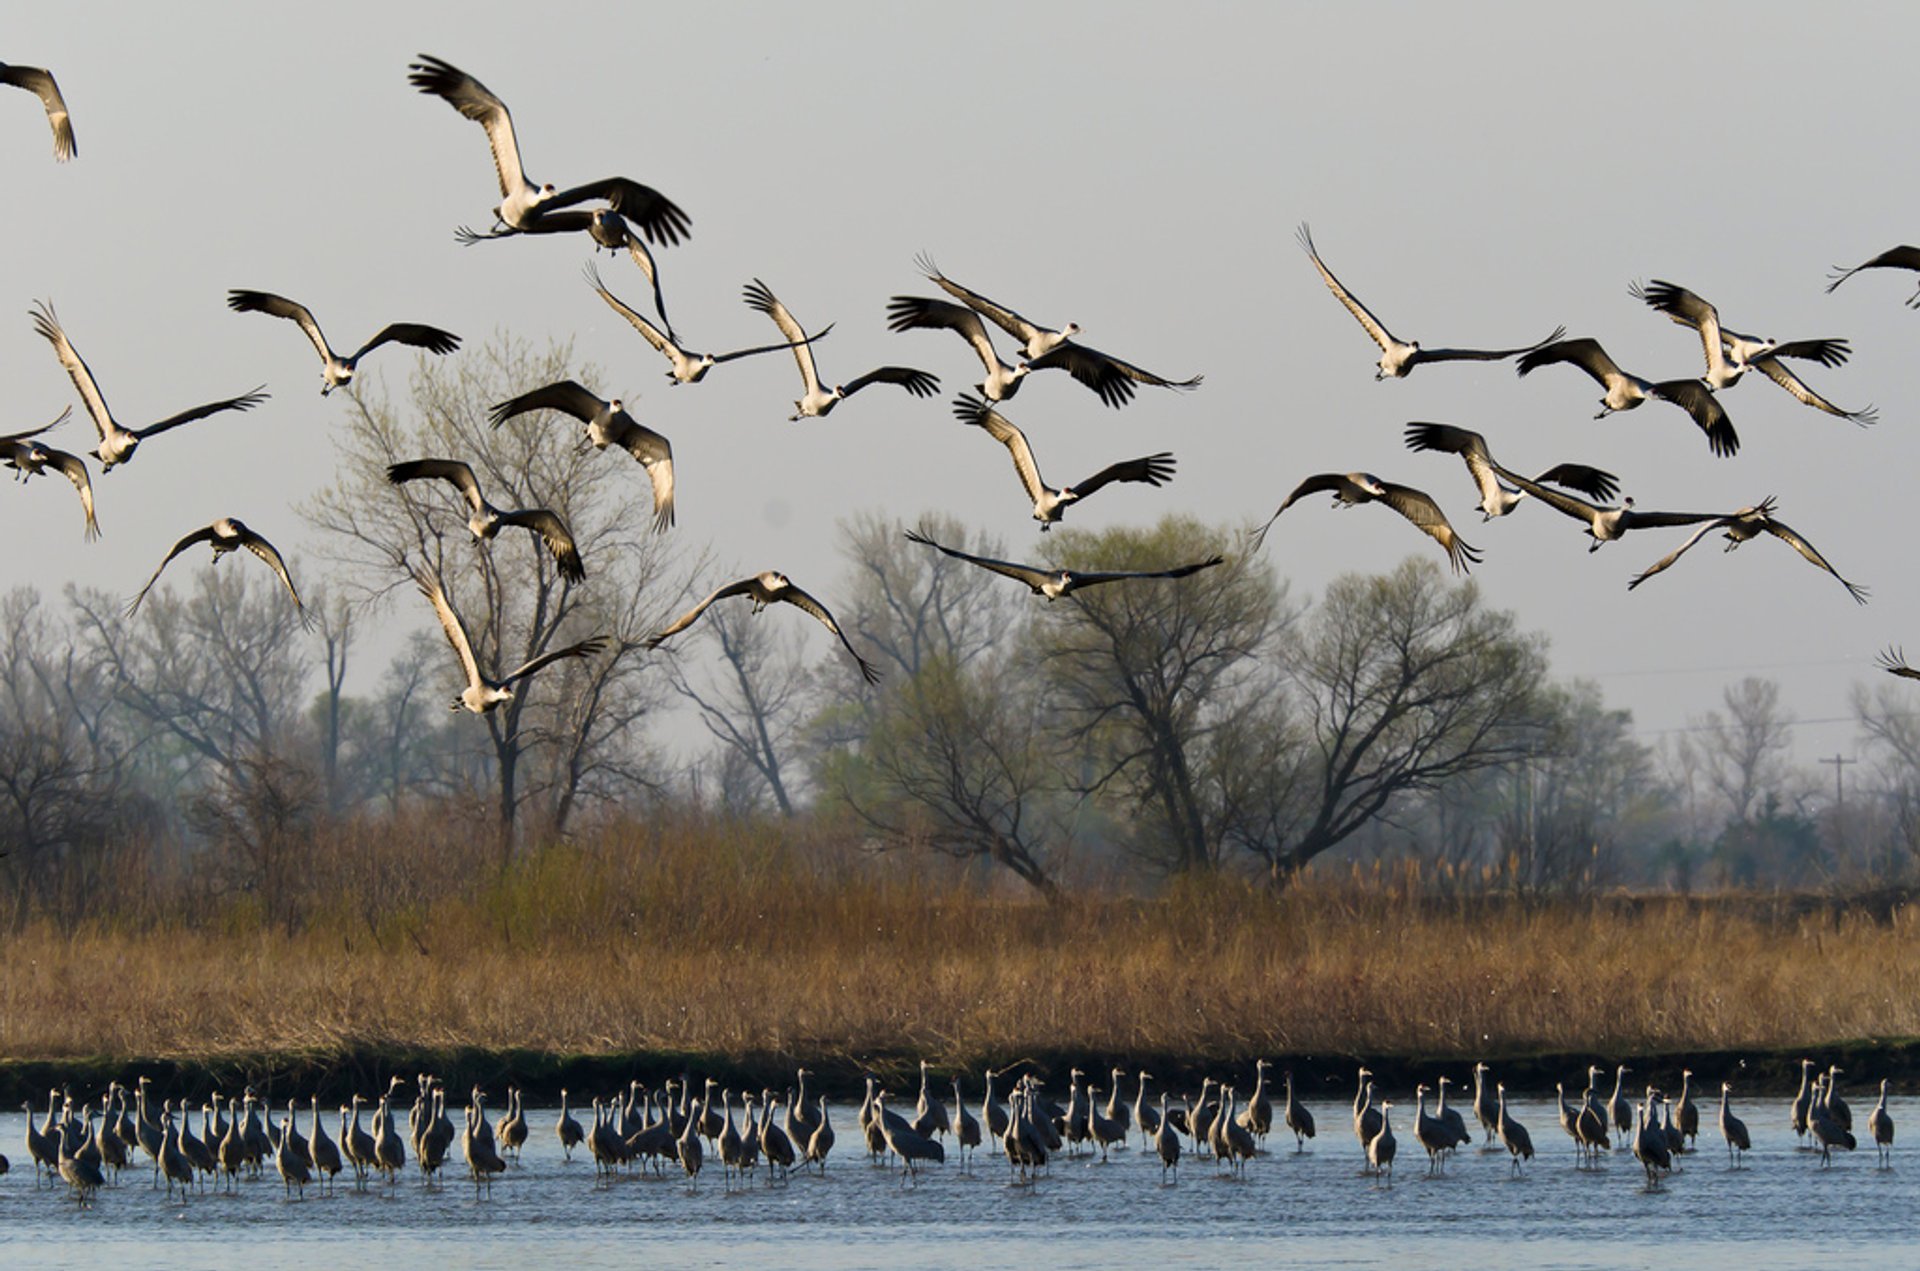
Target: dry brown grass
[706,938]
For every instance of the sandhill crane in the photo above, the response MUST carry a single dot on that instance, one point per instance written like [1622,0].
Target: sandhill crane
[1570,1122]
[1893,258]
[228,534]
[524,206]
[1451,1118]
[1676,1141]
[1297,1117]
[929,1114]
[1166,1143]
[483,693]
[1827,1130]
[993,1116]
[1649,1145]
[1880,1125]
[606,227]
[1055,583]
[1026,1147]
[1518,1142]
[294,1171]
[117,444]
[512,1129]
[80,1172]
[1233,1139]
[1349,489]
[326,1154]
[1619,1107]
[729,1144]
[1746,524]
[1430,1133]
[1074,1123]
[1257,1116]
[1590,1123]
[1625,391]
[1397,357]
[966,1127]
[1797,1112]
[1484,1106]
[1382,1146]
[356,1143]
[172,1162]
[1691,310]
[692,1156]
[918,313]
[1050,504]
[1495,498]
[904,1141]
[800,1114]
[1733,1129]
[567,1129]
[32,458]
[232,1149]
[336,370]
[766,588]
[1105,1131]
[436,1136]
[1837,1107]
[820,1142]
[39,82]
[43,1152]
[389,1150]
[477,1145]
[1607,524]
[817,401]
[1145,1118]
[1045,348]
[685,366]
[608,424]
[1686,1114]
[1201,1115]
[1366,1117]
[296,1142]
[775,1146]
[199,1152]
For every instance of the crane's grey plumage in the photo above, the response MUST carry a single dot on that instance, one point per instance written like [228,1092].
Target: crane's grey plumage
[40,83]
[766,588]
[1399,357]
[225,535]
[1774,369]
[1495,498]
[1417,506]
[1050,504]
[486,519]
[1055,583]
[1046,347]
[1902,257]
[608,424]
[522,204]
[1880,1125]
[336,370]
[1733,1129]
[606,227]
[1730,353]
[1746,524]
[1691,310]
[1625,390]
[483,694]
[117,444]
[686,367]
[1519,1143]
[1605,524]
[818,401]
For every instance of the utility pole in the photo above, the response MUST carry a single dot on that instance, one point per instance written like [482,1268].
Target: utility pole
[1839,801]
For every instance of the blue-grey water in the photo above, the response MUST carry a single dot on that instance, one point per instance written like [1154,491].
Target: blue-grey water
[1311,1209]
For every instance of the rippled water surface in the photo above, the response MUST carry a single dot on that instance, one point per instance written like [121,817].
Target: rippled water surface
[1782,1210]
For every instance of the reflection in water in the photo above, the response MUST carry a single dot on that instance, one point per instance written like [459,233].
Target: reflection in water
[1783,1211]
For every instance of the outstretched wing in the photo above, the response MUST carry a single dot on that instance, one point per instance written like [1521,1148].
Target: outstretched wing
[759,296]
[1374,327]
[807,604]
[246,401]
[243,301]
[452,471]
[652,334]
[47,323]
[1485,355]
[1331,481]
[1894,661]
[1828,352]
[1902,257]
[1584,353]
[1006,319]
[655,454]
[919,383]
[450,625]
[61,418]
[40,83]
[1771,367]
[417,334]
[1595,483]
[203,535]
[1418,507]
[1094,579]
[1027,574]
[585,648]
[1468,444]
[554,533]
[909,313]
[1786,535]
[1699,401]
[771,348]
[691,616]
[1108,376]
[1706,528]
[475,101]
[1149,469]
[75,470]
[1687,309]
[565,396]
[969,409]
[658,217]
[267,552]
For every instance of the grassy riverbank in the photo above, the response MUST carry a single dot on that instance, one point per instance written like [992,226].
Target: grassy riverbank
[704,945]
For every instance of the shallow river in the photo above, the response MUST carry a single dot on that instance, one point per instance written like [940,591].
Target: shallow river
[1782,1210]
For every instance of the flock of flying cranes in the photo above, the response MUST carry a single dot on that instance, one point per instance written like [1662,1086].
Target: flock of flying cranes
[675,1127]
[620,214]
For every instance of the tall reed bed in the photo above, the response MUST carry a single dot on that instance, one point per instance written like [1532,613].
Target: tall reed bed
[717,937]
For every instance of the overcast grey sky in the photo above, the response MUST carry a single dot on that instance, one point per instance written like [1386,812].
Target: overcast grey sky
[1475,174]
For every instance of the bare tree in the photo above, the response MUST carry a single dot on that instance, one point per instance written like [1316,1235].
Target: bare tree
[1405,682]
[913,606]
[751,701]
[956,763]
[572,735]
[1144,673]
[1744,754]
